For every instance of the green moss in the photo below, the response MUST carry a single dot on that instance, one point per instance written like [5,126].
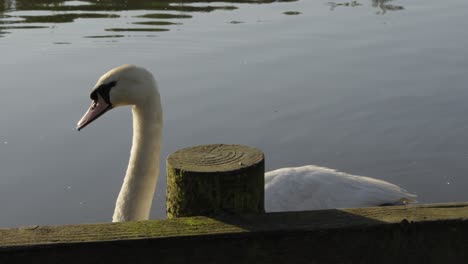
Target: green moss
[215,180]
[362,219]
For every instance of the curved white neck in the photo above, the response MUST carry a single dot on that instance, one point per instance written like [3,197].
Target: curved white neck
[136,195]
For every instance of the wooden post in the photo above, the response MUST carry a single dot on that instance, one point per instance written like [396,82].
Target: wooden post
[215,179]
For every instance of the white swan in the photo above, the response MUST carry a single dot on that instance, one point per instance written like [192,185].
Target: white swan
[288,189]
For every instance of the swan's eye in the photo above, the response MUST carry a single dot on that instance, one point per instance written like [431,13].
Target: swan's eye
[103,90]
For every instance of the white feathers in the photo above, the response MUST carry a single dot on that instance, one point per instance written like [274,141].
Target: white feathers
[312,188]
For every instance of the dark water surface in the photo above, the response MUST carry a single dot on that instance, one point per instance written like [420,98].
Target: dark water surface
[377,88]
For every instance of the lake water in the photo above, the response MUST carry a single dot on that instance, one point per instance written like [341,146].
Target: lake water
[370,87]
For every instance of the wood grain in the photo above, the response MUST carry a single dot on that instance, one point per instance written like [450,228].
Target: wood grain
[436,233]
[215,179]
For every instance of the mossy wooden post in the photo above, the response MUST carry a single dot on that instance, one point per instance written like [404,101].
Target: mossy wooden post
[215,179]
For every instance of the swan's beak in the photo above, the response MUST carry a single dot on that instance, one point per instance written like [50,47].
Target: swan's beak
[97,109]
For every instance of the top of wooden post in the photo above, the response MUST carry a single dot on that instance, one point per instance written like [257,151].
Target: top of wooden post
[215,158]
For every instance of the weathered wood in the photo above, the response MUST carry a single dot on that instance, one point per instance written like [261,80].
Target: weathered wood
[402,234]
[215,179]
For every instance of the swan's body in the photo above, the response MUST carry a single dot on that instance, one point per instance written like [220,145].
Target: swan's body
[312,188]
[288,189]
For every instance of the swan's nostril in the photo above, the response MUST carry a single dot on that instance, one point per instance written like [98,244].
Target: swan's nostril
[94,105]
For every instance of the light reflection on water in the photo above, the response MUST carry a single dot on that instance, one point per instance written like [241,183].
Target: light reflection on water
[373,87]
[72,10]
[69,11]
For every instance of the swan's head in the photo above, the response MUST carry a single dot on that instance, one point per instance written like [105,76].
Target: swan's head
[124,85]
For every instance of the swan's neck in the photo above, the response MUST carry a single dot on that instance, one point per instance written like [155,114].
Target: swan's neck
[136,195]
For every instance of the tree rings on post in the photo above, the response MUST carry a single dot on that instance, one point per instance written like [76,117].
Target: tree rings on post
[215,179]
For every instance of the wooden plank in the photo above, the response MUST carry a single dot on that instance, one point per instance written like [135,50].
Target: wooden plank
[436,233]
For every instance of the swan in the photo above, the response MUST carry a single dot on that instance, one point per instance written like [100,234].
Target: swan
[288,189]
